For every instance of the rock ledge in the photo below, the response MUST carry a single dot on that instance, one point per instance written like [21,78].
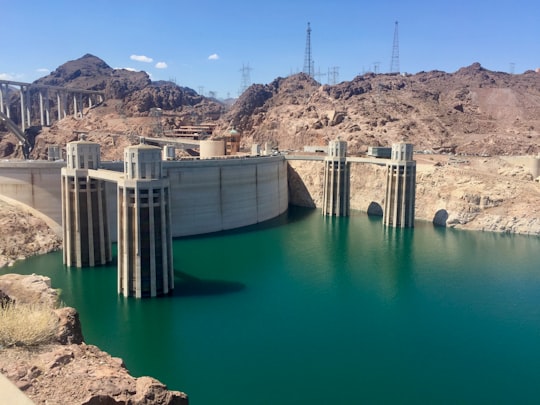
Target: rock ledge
[68,371]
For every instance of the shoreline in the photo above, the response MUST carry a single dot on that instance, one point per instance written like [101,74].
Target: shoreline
[67,370]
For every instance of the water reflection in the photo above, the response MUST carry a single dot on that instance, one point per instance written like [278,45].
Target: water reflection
[335,247]
[397,269]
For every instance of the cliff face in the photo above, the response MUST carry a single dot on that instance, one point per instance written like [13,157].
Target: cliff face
[69,371]
[488,194]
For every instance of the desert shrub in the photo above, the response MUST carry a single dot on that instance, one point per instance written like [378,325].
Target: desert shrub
[27,325]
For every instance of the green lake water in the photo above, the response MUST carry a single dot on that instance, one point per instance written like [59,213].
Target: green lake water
[312,310]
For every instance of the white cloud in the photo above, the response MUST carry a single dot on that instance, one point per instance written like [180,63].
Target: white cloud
[161,65]
[214,56]
[43,70]
[141,58]
[16,77]
[126,68]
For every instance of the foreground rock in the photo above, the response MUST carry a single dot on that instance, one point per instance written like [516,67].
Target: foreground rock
[69,371]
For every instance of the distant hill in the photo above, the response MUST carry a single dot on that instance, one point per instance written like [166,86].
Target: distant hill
[473,110]
[135,89]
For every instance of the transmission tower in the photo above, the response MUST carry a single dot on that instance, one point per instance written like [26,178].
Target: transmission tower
[308,60]
[333,75]
[394,64]
[158,127]
[318,75]
[246,78]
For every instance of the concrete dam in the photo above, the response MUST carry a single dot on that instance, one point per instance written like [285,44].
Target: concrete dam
[153,200]
[206,195]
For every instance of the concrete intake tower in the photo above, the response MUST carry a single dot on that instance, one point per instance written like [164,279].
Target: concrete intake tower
[145,263]
[336,188]
[84,208]
[400,187]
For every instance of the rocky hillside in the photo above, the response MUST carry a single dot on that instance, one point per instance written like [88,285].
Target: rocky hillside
[125,115]
[91,73]
[471,111]
[138,93]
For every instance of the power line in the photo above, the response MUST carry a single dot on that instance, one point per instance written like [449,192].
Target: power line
[394,64]
[333,75]
[318,75]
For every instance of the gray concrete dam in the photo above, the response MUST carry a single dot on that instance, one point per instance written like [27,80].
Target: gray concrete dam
[206,195]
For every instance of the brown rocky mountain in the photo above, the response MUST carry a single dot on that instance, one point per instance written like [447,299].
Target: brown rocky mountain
[126,113]
[472,111]
[135,89]
[91,73]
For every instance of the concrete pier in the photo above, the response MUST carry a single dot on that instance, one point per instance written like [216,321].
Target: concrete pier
[336,180]
[400,187]
[84,208]
[145,266]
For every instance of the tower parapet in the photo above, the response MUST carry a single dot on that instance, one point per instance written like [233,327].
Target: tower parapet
[336,180]
[400,187]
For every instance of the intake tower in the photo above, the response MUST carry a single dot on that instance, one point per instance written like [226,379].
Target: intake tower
[84,208]
[400,187]
[336,190]
[145,266]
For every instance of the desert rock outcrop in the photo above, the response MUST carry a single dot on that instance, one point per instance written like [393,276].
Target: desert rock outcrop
[69,371]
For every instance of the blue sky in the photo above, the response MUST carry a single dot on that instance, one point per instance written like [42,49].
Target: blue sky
[203,44]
